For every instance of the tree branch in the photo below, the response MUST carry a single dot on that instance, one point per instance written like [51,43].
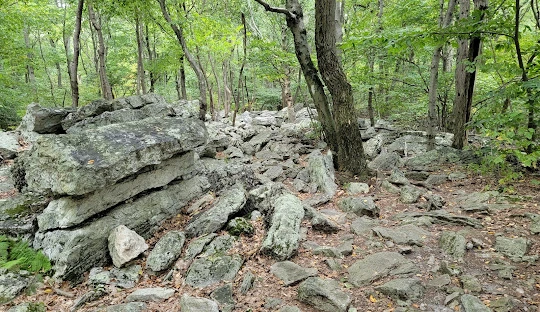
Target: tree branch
[269,8]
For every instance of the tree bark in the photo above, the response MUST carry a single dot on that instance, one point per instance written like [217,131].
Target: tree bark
[141,81]
[151,56]
[179,32]
[73,64]
[351,155]
[240,75]
[434,78]
[106,89]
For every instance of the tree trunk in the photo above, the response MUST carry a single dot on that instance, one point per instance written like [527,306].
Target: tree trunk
[30,75]
[73,64]
[351,155]
[434,77]
[218,81]
[141,83]
[106,90]
[182,81]
[227,94]
[57,64]
[179,32]
[240,75]
[371,113]
[151,54]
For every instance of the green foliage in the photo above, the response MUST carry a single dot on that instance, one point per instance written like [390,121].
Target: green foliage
[267,99]
[17,254]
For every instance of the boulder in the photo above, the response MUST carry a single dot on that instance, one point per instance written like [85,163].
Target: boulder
[410,194]
[150,294]
[406,234]
[398,177]
[9,145]
[74,251]
[43,119]
[127,307]
[402,289]
[356,188]
[473,304]
[321,172]
[196,304]
[224,297]
[239,226]
[363,225]
[11,285]
[361,206]
[166,251]
[514,248]
[72,210]
[282,239]
[453,244]
[125,245]
[213,219]
[324,295]
[77,164]
[197,245]
[291,273]
[378,265]
[207,271]
[385,162]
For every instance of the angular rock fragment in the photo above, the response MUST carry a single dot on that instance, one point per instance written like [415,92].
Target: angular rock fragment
[376,266]
[324,294]
[291,273]
[150,294]
[402,289]
[125,245]
[166,251]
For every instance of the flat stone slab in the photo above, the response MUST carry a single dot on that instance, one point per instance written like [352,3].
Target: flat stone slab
[80,163]
[376,266]
[402,289]
[9,145]
[150,294]
[453,244]
[363,226]
[405,235]
[324,294]
[361,206]
[127,307]
[166,251]
[207,271]
[291,273]
[514,248]
[196,304]
[473,304]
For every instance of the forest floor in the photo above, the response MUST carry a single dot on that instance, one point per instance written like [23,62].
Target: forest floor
[523,287]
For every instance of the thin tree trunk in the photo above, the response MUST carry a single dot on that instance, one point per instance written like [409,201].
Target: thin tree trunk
[371,61]
[212,108]
[73,64]
[434,77]
[51,83]
[182,80]
[218,82]
[57,64]
[226,90]
[141,83]
[151,57]
[106,89]
[240,75]
[179,32]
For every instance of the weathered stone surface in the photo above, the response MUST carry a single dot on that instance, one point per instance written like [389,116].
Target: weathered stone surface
[290,309]
[125,245]
[150,294]
[436,179]
[441,216]
[402,289]
[282,238]
[406,234]
[410,194]
[9,145]
[29,307]
[320,222]
[363,226]
[127,307]
[219,245]
[247,282]
[514,248]
[213,219]
[204,272]
[453,244]
[321,172]
[166,251]
[69,211]
[390,188]
[78,164]
[75,251]
[197,245]
[535,223]
[473,304]
[470,283]
[324,295]
[11,285]
[385,162]
[355,188]
[398,177]
[376,266]
[361,206]
[239,226]
[224,297]
[126,277]
[291,273]
[43,119]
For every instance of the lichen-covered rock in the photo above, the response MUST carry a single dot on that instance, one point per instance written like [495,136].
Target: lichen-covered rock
[473,304]
[291,273]
[43,119]
[406,234]
[410,194]
[402,289]
[361,206]
[321,172]
[196,304]
[385,162]
[514,248]
[282,238]
[166,251]
[324,295]
[125,245]
[127,307]
[207,271]
[213,219]
[77,164]
[376,266]
[150,294]
[9,145]
[239,226]
[453,244]
[11,285]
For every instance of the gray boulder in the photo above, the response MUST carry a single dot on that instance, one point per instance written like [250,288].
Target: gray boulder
[9,145]
[321,172]
[281,240]
[406,234]
[402,289]
[213,219]
[376,266]
[43,119]
[291,273]
[78,164]
[72,210]
[150,294]
[514,248]
[363,225]
[398,177]
[74,251]
[207,271]
[356,188]
[127,307]
[196,304]
[166,251]
[324,295]
[410,194]
[361,206]
[473,304]
[385,162]
[125,245]
[11,285]
[453,244]
[197,245]
[224,297]
[29,307]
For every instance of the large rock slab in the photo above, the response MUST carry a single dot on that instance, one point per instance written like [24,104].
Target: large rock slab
[385,162]
[150,294]
[473,304]
[196,304]
[207,271]
[72,210]
[361,206]
[407,234]
[77,164]
[321,172]
[376,266]
[127,307]
[9,145]
[324,295]
[291,273]
[453,244]
[11,285]
[514,248]
[125,245]
[213,219]
[402,289]
[74,251]
[166,251]
[43,119]
[283,237]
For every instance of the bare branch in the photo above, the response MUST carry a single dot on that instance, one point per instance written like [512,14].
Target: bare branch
[269,8]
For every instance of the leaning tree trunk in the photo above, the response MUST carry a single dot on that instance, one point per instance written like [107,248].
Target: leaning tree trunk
[106,90]
[434,79]
[179,32]
[73,64]
[351,155]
